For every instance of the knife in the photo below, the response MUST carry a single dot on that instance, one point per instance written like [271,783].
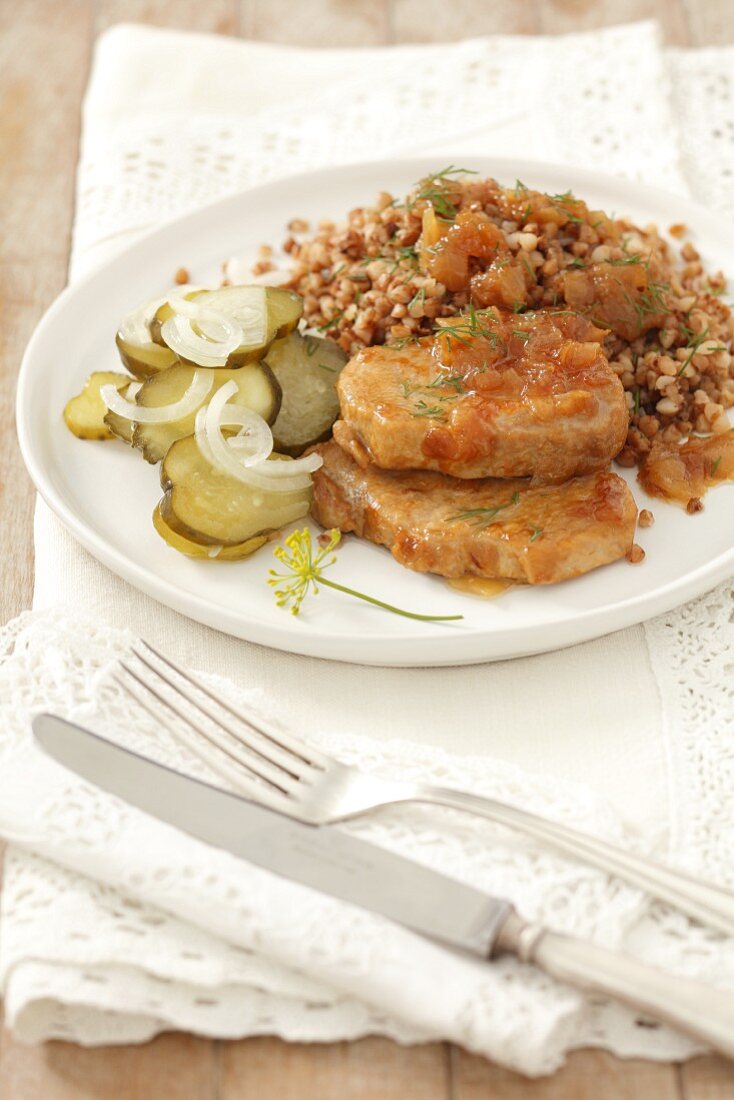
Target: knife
[335,863]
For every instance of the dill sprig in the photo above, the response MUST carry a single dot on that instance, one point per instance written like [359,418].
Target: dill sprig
[482,517]
[694,343]
[435,189]
[404,254]
[561,202]
[305,572]
[477,323]
[429,412]
[455,381]
[331,324]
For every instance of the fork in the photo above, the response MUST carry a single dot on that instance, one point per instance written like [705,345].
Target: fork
[271,766]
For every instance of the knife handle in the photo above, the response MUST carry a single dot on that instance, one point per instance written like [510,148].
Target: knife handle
[698,1010]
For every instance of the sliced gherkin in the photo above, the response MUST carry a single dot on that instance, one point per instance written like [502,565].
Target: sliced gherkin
[201,551]
[307,369]
[210,508]
[144,360]
[283,310]
[85,415]
[257,389]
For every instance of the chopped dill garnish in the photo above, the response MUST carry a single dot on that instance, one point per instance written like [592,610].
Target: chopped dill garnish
[633,258]
[649,301]
[576,263]
[430,412]
[636,406]
[311,345]
[477,324]
[694,343]
[399,344]
[526,264]
[536,533]
[454,380]
[715,466]
[522,333]
[404,254]
[323,366]
[482,517]
[407,390]
[418,299]
[332,323]
[445,173]
[561,200]
[435,190]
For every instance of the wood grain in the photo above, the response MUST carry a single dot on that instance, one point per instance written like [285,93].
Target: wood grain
[565,16]
[709,1078]
[209,16]
[45,47]
[170,1067]
[438,21]
[370,1069]
[587,1075]
[44,57]
[316,22]
[711,22]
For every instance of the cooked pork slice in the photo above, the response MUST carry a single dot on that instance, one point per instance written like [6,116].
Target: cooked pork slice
[485,528]
[513,395]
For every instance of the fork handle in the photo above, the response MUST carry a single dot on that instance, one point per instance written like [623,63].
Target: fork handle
[693,1008]
[704,902]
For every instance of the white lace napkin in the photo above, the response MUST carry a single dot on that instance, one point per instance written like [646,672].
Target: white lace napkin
[152,931]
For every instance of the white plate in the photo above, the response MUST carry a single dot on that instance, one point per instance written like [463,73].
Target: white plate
[105,494]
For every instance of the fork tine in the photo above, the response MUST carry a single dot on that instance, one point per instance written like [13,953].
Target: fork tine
[251,788]
[287,768]
[260,767]
[286,742]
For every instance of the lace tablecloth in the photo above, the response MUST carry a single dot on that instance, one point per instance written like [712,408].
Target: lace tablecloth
[113,927]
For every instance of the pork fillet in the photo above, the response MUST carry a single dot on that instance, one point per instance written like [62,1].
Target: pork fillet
[484,527]
[492,396]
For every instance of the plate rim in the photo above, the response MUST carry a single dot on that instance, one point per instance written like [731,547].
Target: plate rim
[582,627]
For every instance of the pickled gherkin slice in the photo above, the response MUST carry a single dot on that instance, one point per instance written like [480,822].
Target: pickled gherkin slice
[199,550]
[238,305]
[144,360]
[120,427]
[212,509]
[256,386]
[165,311]
[307,369]
[85,414]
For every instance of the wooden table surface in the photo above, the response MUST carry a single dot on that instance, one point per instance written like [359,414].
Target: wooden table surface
[45,51]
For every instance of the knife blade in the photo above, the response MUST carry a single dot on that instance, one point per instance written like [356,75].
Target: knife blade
[330,860]
[322,857]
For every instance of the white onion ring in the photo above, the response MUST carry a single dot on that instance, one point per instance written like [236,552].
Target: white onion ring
[254,469]
[178,333]
[198,390]
[135,327]
[133,390]
[261,436]
[306,465]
